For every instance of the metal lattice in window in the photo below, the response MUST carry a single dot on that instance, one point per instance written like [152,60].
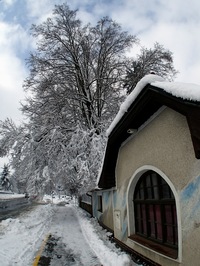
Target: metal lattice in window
[155,210]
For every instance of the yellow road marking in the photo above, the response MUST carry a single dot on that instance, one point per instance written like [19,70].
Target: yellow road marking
[37,258]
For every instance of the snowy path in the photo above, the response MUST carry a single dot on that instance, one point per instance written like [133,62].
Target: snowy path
[71,243]
[77,237]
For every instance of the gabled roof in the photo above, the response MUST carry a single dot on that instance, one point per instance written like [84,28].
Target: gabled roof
[140,105]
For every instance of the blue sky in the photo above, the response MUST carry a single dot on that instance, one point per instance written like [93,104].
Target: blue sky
[173,23]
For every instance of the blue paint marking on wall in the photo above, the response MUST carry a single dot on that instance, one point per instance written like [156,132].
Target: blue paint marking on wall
[124,201]
[124,229]
[191,188]
[195,209]
[114,199]
[106,197]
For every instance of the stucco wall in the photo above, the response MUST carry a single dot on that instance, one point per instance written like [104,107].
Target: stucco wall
[106,217]
[166,144]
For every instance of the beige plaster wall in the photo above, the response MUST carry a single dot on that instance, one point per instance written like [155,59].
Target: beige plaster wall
[166,144]
[107,216]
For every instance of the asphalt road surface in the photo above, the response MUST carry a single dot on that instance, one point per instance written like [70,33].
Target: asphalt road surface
[17,212]
[67,246]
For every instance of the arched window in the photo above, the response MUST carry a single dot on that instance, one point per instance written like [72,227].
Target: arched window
[155,214]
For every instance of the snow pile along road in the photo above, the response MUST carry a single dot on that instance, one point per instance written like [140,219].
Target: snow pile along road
[21,237]
[98,241]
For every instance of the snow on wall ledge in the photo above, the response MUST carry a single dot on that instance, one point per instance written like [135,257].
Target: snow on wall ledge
[185,91]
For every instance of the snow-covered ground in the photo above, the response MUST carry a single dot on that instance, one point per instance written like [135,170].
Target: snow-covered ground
[4,195]
[21,238]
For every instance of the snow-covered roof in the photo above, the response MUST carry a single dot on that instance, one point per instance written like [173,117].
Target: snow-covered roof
[185,91]
[151,93]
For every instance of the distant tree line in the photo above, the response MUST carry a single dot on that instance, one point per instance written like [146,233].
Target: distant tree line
[79,76]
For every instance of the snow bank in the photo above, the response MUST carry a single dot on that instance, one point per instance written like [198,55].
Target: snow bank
[55,199]
[4,196]
[21,237]
[98,240]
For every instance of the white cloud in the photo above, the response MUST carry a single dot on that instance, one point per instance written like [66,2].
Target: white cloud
[8,3]
[13,38]
[183,40]
[13,42]
[86,17]
[174,24]
[11,92]
[12,72]
[39,11]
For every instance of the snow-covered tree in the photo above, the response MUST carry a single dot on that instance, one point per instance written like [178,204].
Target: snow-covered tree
[4,180]
[76,73]
[157,60]
[69,158]
[81,160]
[75,83]
[18,144]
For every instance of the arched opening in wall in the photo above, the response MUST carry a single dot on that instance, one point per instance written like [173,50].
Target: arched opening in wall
[154,214]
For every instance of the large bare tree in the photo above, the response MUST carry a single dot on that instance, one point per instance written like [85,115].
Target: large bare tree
[157,60]
[77,69]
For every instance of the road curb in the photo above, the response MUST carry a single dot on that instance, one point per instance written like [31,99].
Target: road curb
[37,258]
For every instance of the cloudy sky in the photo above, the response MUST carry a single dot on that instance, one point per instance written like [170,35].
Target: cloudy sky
[173,23]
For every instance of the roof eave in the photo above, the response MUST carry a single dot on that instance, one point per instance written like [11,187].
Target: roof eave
[146,104]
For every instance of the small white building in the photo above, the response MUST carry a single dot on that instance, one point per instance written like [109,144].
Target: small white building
[149,186]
